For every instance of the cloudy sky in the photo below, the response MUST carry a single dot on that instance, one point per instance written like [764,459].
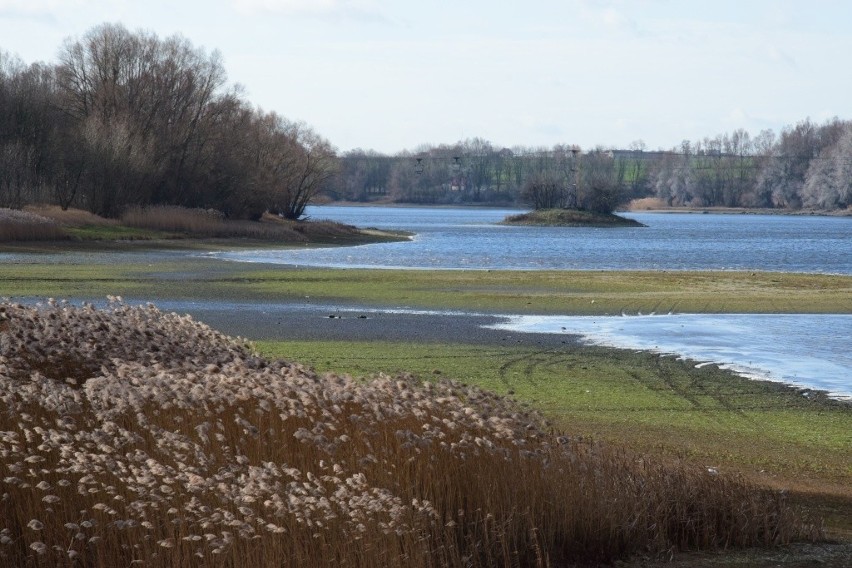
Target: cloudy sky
[391,75]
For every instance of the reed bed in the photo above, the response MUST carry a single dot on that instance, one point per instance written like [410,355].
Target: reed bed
[18,225]
[131,437]
[70,217]
[204,223]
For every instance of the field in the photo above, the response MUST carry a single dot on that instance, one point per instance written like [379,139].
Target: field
[642,405]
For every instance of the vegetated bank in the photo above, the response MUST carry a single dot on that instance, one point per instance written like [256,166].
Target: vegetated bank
[132,435]
[162,225]
[570,218]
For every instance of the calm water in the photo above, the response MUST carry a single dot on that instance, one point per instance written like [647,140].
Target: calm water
[449,238]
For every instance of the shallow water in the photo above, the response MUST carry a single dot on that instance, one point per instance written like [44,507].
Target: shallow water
[810,351]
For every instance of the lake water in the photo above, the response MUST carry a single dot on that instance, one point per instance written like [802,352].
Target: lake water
[806,350]
[465,238]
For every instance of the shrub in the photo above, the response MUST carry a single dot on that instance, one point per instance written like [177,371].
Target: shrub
[25,226]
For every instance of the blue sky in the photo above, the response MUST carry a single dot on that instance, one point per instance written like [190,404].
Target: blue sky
[392,75]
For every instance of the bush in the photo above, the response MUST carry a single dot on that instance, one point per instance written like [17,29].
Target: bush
[25,226]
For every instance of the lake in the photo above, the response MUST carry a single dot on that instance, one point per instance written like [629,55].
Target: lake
[470,238]
[806,350]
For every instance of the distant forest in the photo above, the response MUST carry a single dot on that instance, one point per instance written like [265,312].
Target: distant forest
[128,119]
[805,166]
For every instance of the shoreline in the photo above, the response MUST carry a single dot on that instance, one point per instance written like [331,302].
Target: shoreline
[740,211]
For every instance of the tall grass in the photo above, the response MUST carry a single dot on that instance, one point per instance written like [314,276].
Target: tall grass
[26,226]
[647,204]
[70,217]
[132,436]
[204,223]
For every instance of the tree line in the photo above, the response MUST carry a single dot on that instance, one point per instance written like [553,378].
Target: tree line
[808,165]
[129,119]
[475,172]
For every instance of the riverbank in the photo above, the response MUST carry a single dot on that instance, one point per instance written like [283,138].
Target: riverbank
[654,205]
[49,228]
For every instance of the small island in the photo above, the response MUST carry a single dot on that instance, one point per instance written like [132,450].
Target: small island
[570,218]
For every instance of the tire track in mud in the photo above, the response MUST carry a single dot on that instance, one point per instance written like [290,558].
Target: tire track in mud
[531,362]
[692,389]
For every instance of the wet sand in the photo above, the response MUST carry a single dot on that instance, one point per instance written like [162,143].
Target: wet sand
[295,322]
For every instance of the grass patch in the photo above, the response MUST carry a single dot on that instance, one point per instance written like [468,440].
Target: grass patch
[565,292]
[521,292]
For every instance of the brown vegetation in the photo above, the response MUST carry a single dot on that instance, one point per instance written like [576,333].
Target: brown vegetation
[26,226]
[647,204]
[51,223]
[70,217]
[132,436]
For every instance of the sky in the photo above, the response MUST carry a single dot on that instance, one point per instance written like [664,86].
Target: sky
[393,75]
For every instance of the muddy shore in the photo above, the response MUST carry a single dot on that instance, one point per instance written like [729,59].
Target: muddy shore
[291,321]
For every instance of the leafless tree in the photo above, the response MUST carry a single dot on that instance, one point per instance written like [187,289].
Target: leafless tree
[544,191]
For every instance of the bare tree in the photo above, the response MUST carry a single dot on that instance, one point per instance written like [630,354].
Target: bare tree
[828,183]
[602,180]
[544,191]
[301,161]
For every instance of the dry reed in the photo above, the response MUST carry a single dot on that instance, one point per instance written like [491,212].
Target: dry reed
[134,437]
[70,217]
[26,226]
[648,204]
[204,223]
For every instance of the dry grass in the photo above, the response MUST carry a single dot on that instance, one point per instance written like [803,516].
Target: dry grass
[175,219]
[70,217]
[208,223]
[27,226]
[47,222]
[129,436]
[647,204]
